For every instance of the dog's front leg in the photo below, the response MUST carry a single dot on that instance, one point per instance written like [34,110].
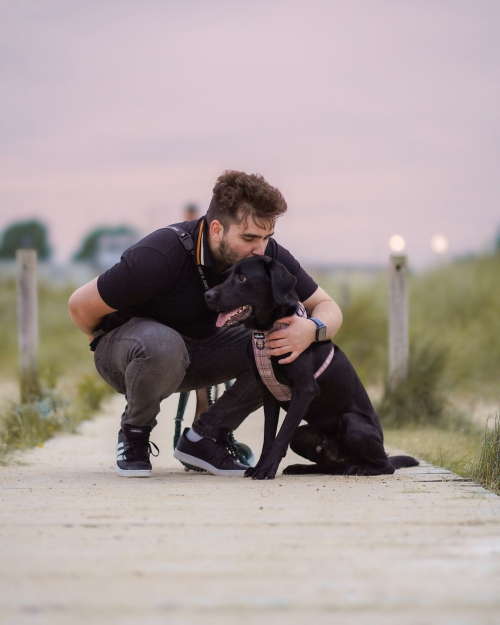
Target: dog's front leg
[271,417]
[301,399]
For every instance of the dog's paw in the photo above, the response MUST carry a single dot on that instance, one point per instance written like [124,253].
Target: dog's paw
[264,473]
[353,469]
[250,471]
[297,469]
[367,470]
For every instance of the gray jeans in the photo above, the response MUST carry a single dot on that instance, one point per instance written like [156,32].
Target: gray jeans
[148,361]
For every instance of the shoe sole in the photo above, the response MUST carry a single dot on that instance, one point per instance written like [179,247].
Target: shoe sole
[201,464]
[133,472]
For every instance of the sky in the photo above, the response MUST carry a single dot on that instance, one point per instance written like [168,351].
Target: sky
[373,118]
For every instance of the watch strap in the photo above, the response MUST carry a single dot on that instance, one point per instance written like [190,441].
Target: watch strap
[320,329]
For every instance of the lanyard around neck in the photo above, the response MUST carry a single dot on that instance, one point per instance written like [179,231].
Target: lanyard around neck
[198,257]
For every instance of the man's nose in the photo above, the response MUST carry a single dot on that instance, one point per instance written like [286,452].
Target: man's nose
[259,249]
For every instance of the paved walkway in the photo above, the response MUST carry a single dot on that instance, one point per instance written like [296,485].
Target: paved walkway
[79,544]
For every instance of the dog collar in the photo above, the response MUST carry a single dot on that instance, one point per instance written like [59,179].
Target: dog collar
[262,354]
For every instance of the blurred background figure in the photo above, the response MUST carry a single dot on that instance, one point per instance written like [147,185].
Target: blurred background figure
[191,212]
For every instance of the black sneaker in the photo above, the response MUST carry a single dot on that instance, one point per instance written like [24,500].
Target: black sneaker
[209,454]
[133,451]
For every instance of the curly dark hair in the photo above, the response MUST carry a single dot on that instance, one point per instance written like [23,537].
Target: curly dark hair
[237,196]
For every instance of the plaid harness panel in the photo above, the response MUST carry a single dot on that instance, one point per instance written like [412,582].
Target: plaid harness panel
[262,354]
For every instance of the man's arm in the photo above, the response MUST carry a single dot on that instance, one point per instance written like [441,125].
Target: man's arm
[302,332]
[324,308]
[87,308]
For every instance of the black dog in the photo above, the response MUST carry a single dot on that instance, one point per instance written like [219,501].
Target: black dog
[343,435]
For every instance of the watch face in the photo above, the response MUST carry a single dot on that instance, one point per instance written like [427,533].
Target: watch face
[321,334]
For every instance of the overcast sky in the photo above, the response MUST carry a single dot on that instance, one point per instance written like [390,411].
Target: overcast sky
[373,117]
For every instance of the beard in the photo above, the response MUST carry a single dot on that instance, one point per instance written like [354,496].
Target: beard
[228,255]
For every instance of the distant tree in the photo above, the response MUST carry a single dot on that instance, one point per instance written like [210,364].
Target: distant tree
[497,243]
[25,235]
[90,244]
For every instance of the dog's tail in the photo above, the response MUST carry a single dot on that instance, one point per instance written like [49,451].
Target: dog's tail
[400,462]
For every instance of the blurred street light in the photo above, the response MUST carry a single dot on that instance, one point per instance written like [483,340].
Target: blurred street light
[397,243]
[439,244]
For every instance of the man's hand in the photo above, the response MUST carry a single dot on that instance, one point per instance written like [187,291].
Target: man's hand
[301,332]
[295,339]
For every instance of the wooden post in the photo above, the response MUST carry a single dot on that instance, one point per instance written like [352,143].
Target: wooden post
[398,320]
[28,323]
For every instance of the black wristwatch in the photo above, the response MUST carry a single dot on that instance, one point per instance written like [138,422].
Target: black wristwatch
[320,329]
[97,334]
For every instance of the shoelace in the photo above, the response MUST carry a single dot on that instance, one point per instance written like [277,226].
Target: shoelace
[230,444]
[138,449]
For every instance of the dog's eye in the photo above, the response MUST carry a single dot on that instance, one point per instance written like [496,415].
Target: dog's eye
[242,278]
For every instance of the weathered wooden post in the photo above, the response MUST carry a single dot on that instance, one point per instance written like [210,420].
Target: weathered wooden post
[398,320]
[28,323]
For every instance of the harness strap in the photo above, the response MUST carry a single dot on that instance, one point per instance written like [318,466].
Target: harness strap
[262,354]
[187,242]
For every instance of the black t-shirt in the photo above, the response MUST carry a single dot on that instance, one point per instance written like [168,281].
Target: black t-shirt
[157,278]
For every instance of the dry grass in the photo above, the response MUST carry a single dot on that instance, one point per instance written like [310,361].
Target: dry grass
[453,450]
[485,466]
[29,424]
[453,308]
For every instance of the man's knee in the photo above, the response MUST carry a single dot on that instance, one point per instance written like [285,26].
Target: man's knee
[160,343]
[150,342]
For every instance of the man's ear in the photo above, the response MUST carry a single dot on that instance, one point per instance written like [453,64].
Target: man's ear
[216,230]
[282,281]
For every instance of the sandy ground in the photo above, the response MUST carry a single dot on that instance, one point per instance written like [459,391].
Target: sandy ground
[79,544]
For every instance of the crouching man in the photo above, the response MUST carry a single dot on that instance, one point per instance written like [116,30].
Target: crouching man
[152,333]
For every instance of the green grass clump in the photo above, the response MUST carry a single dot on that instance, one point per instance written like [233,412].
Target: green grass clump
[32,423]
[457,304]
[421,398]
[71,388]
[485,467]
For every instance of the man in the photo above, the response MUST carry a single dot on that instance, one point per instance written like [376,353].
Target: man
[154,335]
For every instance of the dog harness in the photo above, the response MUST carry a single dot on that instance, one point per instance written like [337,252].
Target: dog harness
[262,354]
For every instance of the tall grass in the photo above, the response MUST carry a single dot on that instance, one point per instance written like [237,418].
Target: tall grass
[420,399]
[455,308]
[458,305]
[32,423]
[454,358]
[71,388]
[485,467]
[63,350]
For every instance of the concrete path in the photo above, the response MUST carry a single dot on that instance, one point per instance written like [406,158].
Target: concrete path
[79,544]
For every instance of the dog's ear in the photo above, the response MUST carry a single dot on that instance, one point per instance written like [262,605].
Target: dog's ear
[282,281]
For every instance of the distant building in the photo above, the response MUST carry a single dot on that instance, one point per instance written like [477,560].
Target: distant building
[110,247]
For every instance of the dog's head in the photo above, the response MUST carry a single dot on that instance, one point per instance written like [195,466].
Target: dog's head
[257,292]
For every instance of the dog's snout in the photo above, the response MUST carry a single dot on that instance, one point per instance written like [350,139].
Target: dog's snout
[211,295]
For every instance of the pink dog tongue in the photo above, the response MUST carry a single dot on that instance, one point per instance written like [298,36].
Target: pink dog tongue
[223,317]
